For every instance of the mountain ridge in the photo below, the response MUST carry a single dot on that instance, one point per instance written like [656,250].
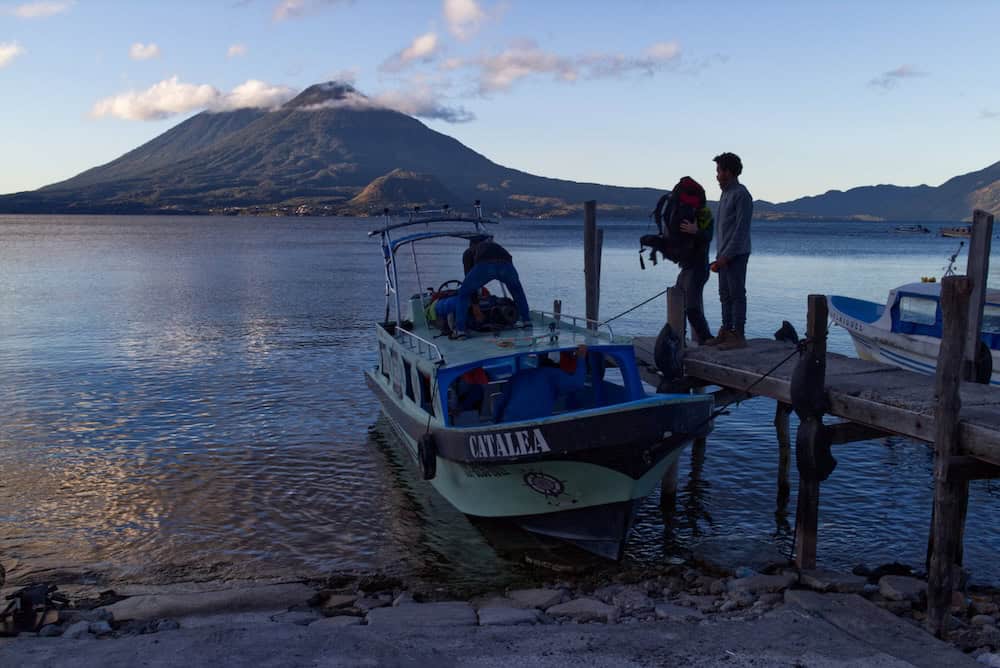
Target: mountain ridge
[324,149]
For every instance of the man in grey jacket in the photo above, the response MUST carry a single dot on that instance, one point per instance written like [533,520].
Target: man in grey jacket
[732,250]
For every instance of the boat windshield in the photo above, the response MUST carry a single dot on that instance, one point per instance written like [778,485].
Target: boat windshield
[538,385]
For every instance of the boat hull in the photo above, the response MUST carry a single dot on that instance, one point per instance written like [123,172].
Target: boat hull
[583,486]
[906,351]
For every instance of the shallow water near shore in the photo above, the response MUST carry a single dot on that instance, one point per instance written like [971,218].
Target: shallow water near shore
[183,398]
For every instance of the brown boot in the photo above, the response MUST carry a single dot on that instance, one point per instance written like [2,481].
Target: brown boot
[719,338]
[734,341]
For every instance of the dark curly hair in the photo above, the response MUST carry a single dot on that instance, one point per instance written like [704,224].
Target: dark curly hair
[729,162]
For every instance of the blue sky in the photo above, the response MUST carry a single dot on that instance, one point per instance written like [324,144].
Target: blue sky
[813,96]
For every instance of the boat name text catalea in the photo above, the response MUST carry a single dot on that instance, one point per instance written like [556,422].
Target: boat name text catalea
[508,444]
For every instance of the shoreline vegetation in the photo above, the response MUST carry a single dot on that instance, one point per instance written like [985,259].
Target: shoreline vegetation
[607,212]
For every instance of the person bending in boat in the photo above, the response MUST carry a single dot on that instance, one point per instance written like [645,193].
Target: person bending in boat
[533,393]
[485,260]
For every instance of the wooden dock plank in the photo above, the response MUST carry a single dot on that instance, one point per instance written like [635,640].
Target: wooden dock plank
[873,394]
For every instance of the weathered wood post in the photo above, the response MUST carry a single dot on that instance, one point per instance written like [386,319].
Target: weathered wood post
[784,434]
[807,446]
[977,270]
[557,310]
[591,262]
[676,320]
[950,495]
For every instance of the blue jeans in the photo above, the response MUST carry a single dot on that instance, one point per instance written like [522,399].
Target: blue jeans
[480,275]
[733,293]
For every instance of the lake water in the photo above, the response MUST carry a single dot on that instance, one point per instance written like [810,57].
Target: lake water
[183,398]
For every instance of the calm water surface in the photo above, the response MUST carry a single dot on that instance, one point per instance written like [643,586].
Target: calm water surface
[183,398]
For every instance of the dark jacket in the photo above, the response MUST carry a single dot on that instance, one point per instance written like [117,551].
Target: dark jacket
[697,255]
[484,251]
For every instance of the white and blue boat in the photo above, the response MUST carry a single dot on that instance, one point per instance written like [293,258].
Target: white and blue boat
[906,330]
[578,474]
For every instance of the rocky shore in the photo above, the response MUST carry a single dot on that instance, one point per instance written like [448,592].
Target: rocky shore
[691,594]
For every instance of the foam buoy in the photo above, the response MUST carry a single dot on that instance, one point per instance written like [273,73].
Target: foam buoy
[427,456]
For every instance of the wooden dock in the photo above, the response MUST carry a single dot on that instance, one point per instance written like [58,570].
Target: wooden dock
[885,399]
[868,400]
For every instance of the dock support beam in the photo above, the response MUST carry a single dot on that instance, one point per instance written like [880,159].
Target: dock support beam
[784,433]
[675,318]
[807,509]
[592,242]
[950,494]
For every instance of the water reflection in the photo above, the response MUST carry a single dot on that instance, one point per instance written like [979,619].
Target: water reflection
[184,397]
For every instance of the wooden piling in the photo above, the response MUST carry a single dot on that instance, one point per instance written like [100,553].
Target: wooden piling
[783,432]
[977,270]
[807,508]
[950,495]
[675,318]
[591,262]
[557,310]
[675,313]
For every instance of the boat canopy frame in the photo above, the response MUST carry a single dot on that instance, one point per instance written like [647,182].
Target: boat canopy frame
[391,245]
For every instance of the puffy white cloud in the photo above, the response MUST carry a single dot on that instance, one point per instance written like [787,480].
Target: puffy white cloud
[8,52]
[172,96]
[464,17]
[421,49]
[892,78]
[424,101]
[236,50]
[290,9]
[253,93]
[498,72]
[140,51]
[41,10]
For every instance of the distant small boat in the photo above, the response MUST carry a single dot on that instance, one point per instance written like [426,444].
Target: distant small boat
[961,231]
[906,330]
[912,229]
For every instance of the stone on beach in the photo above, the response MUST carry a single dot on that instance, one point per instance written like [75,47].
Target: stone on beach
[677,613]
[536,598]
[901,588]
[632,600]
[842,583]
[583,610]
[451,613]
[268,597]
[983,620]
[727,554]
[507,616]
[758,584]
[77,630]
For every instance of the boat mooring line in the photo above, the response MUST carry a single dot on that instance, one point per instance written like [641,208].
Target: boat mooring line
[799,348]
[658,294]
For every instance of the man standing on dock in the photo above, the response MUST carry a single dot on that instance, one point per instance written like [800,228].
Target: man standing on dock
[732,250]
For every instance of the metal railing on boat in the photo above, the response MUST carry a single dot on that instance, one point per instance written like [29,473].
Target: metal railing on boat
[593,326]
[421,345]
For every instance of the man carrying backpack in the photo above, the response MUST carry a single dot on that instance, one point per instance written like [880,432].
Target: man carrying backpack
[696,228]
[732,251]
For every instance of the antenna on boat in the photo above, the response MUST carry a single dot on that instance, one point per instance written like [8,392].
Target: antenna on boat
[950,269]
[479,210]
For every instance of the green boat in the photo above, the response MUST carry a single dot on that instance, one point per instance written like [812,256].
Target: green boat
[578,474]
